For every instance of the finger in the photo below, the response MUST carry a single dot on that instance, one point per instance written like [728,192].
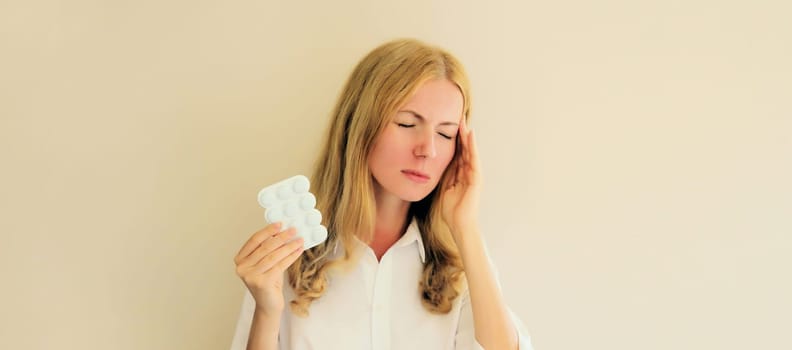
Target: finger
[255,240]
[463,124]
[474,155]
[459,157]
[463,142]
[453,172]
[269,246]
[287,261]
[466,153]
[465,163]
[450,176]
[450,173]
[279,254]
[463,132]
[460,172]
[467,167]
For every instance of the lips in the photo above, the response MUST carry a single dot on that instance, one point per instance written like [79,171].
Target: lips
[416,175]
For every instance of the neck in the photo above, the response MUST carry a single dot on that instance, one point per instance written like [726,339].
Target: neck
[391,219]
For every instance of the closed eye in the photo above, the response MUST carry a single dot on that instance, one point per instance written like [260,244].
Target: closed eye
[412,125]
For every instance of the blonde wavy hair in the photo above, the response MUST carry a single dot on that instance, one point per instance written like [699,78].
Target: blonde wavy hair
[381,83]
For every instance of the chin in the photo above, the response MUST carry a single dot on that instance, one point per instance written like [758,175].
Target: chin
[408,192]
[415,194]
[413,199]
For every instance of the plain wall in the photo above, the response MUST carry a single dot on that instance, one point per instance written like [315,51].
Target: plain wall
[637,159]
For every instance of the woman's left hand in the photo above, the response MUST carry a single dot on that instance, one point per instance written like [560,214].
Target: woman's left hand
[460,200]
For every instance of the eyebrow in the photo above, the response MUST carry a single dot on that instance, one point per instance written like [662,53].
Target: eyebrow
[424,119]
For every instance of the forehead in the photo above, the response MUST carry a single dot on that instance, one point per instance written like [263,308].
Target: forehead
[437,100]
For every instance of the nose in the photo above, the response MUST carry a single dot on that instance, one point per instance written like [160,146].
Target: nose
[426,146]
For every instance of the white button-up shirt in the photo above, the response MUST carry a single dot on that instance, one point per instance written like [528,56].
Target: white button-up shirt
[375,305]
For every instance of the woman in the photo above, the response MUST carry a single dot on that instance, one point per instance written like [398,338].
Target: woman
[404,265]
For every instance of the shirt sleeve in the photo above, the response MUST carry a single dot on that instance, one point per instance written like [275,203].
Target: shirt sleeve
[244,322]
[466,335]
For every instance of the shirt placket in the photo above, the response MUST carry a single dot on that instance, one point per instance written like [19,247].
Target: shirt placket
[381,305]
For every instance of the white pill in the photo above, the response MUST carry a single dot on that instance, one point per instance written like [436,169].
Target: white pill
[307,201]
[301,184]
[290,209]
[300,229]
[266,198]
[320,233]
[313,218]
[274,214]
[284,192]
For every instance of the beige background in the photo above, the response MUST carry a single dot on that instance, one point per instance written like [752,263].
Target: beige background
[636,157]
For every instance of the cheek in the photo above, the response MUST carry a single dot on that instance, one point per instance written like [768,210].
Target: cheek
[387,148]
[393,150]
[446,156]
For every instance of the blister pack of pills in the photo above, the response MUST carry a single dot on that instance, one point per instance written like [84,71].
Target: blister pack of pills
[290,202]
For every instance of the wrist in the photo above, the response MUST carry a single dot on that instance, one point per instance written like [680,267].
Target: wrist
[269,313]
[464,229]
[468,239]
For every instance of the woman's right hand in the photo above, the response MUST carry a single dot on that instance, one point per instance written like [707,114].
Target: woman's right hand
[261,263]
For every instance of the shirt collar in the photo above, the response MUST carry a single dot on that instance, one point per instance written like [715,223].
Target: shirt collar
[413,234]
